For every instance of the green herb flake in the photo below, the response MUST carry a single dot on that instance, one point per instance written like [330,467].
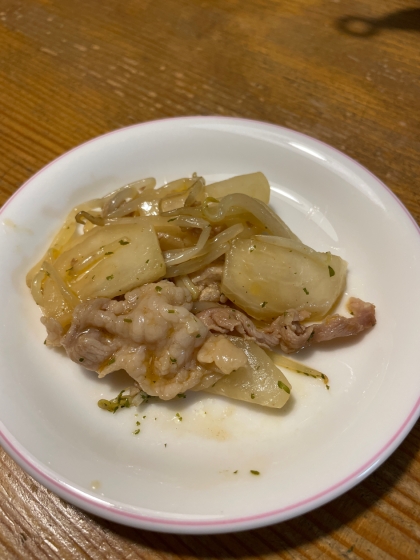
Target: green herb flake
[147,261]
[158,288]
[69,269]
[171,310]
[110,361]
[109,253]
[255,472]
[264,303]
[178,416]
[306,291]
[283,386]
[137,423]
[45,341]
[81,359]
[331,271]
[182,396]
[252,248]
[173,360]
[198,335]
[122,242]
[166,444]
[252,396]
[128,320]
[172,220]
[136,431]
[328,387]
[110,277]
[235,472]
[114,404]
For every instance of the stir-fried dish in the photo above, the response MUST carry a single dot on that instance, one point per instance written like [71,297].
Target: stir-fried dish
[189,287]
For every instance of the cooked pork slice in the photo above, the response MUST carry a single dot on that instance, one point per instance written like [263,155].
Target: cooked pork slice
[363,317]
[210,293]
[151,334]
[208,275]
[287,331]
[208,282]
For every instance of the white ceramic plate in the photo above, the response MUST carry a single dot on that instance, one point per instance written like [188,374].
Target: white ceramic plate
[179,476]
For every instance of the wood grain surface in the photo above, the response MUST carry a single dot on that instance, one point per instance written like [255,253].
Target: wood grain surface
[347,73]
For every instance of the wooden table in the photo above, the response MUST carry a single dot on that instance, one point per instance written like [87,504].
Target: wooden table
[345,73]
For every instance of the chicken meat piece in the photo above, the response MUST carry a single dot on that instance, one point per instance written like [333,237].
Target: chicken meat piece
[151,334]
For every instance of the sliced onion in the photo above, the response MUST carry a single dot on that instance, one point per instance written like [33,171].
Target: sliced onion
[283,361]
[186,282]
[218,212]
[195,192]
[188,222]
[296,246]
[178,256]
[139,185]
[190,211]
[199,262]
[121,196]
[67,292]
[36,287]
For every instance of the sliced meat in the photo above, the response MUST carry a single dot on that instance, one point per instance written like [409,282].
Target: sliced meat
[287,331]
[208,282]
[151,334]
[210,293]
[208,275]
[363,317]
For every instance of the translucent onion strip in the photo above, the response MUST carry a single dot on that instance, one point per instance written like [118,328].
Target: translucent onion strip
[186,282]
[261,211]
[291,244]
[283,361]
[67,293]
[85,265]
[220,240]
[37,289]
[160,221]
[189,211]
[227,235]
[115,199]
[195,192]
[145,203]
[195,264]
[178,256]
[140,184]
[177,186]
